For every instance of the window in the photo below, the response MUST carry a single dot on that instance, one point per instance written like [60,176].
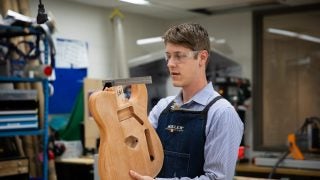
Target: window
[286,68]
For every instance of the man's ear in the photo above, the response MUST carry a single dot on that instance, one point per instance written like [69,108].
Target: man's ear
[203,57]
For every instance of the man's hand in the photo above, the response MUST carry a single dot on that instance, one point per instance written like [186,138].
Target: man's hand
[138,176]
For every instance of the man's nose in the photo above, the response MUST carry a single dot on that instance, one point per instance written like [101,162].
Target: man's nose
[170,62]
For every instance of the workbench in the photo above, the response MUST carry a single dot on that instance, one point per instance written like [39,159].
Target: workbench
[251,170]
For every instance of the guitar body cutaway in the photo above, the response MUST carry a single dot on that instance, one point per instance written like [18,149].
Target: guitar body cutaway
[127,139]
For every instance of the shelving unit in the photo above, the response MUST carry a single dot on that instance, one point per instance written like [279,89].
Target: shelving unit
[16,31]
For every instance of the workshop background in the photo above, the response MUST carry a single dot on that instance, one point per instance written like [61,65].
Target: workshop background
[265,60]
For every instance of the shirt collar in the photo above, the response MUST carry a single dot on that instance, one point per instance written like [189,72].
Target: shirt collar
[200,97]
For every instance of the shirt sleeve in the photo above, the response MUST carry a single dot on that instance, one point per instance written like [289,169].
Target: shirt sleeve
[224,134]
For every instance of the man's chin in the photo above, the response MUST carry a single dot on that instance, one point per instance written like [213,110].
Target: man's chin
[176,84]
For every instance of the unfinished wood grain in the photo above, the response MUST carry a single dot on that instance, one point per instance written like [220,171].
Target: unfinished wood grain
[127,139]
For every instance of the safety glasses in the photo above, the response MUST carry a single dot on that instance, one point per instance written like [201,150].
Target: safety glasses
[180,57]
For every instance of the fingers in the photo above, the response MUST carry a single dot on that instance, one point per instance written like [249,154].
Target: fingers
[135,174]
[138,176]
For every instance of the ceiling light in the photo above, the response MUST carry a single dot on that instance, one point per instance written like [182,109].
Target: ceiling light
[217,41]
[159,39]
[220,41]
[138,2]
[294,34]
[282,32]
[309,38]
[149,40]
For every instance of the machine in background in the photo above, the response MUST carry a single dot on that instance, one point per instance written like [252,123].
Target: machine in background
[236,91]
[306,139]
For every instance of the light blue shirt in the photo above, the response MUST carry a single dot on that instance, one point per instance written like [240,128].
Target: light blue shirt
[224,130]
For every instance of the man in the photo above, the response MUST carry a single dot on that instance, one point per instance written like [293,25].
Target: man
[200,131]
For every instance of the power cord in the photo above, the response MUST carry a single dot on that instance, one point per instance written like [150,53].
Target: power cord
[300,131]
[277,164]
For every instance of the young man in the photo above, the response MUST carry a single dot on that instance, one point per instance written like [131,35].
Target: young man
[200,131]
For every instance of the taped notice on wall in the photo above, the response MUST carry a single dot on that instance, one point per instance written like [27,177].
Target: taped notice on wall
[71,53]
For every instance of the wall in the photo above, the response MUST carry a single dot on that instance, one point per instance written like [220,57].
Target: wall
[92,24]
[236,29]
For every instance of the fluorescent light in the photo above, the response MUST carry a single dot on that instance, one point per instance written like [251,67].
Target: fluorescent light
[282,32]
[149,40]
[138,2]
[309,38]
[294,34]
[159,39]
[220,41]
[217,41]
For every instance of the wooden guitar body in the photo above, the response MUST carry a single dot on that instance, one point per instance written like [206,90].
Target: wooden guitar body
[127,139]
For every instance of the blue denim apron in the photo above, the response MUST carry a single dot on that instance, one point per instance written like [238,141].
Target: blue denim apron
[182,134]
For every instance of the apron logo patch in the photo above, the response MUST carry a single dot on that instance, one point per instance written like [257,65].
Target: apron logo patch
[174,128]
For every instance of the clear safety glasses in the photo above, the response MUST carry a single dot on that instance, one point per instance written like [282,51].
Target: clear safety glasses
[180,57]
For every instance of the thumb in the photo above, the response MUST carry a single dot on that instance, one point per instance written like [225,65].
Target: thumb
[134,174]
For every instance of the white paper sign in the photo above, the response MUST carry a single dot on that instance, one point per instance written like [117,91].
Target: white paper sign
[71,53]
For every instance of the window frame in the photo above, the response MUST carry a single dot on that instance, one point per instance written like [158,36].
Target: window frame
[257,61]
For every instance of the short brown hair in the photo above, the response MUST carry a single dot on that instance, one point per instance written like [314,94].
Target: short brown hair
[189,35]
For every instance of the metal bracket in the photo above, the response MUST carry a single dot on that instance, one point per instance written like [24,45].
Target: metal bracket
[127,81]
